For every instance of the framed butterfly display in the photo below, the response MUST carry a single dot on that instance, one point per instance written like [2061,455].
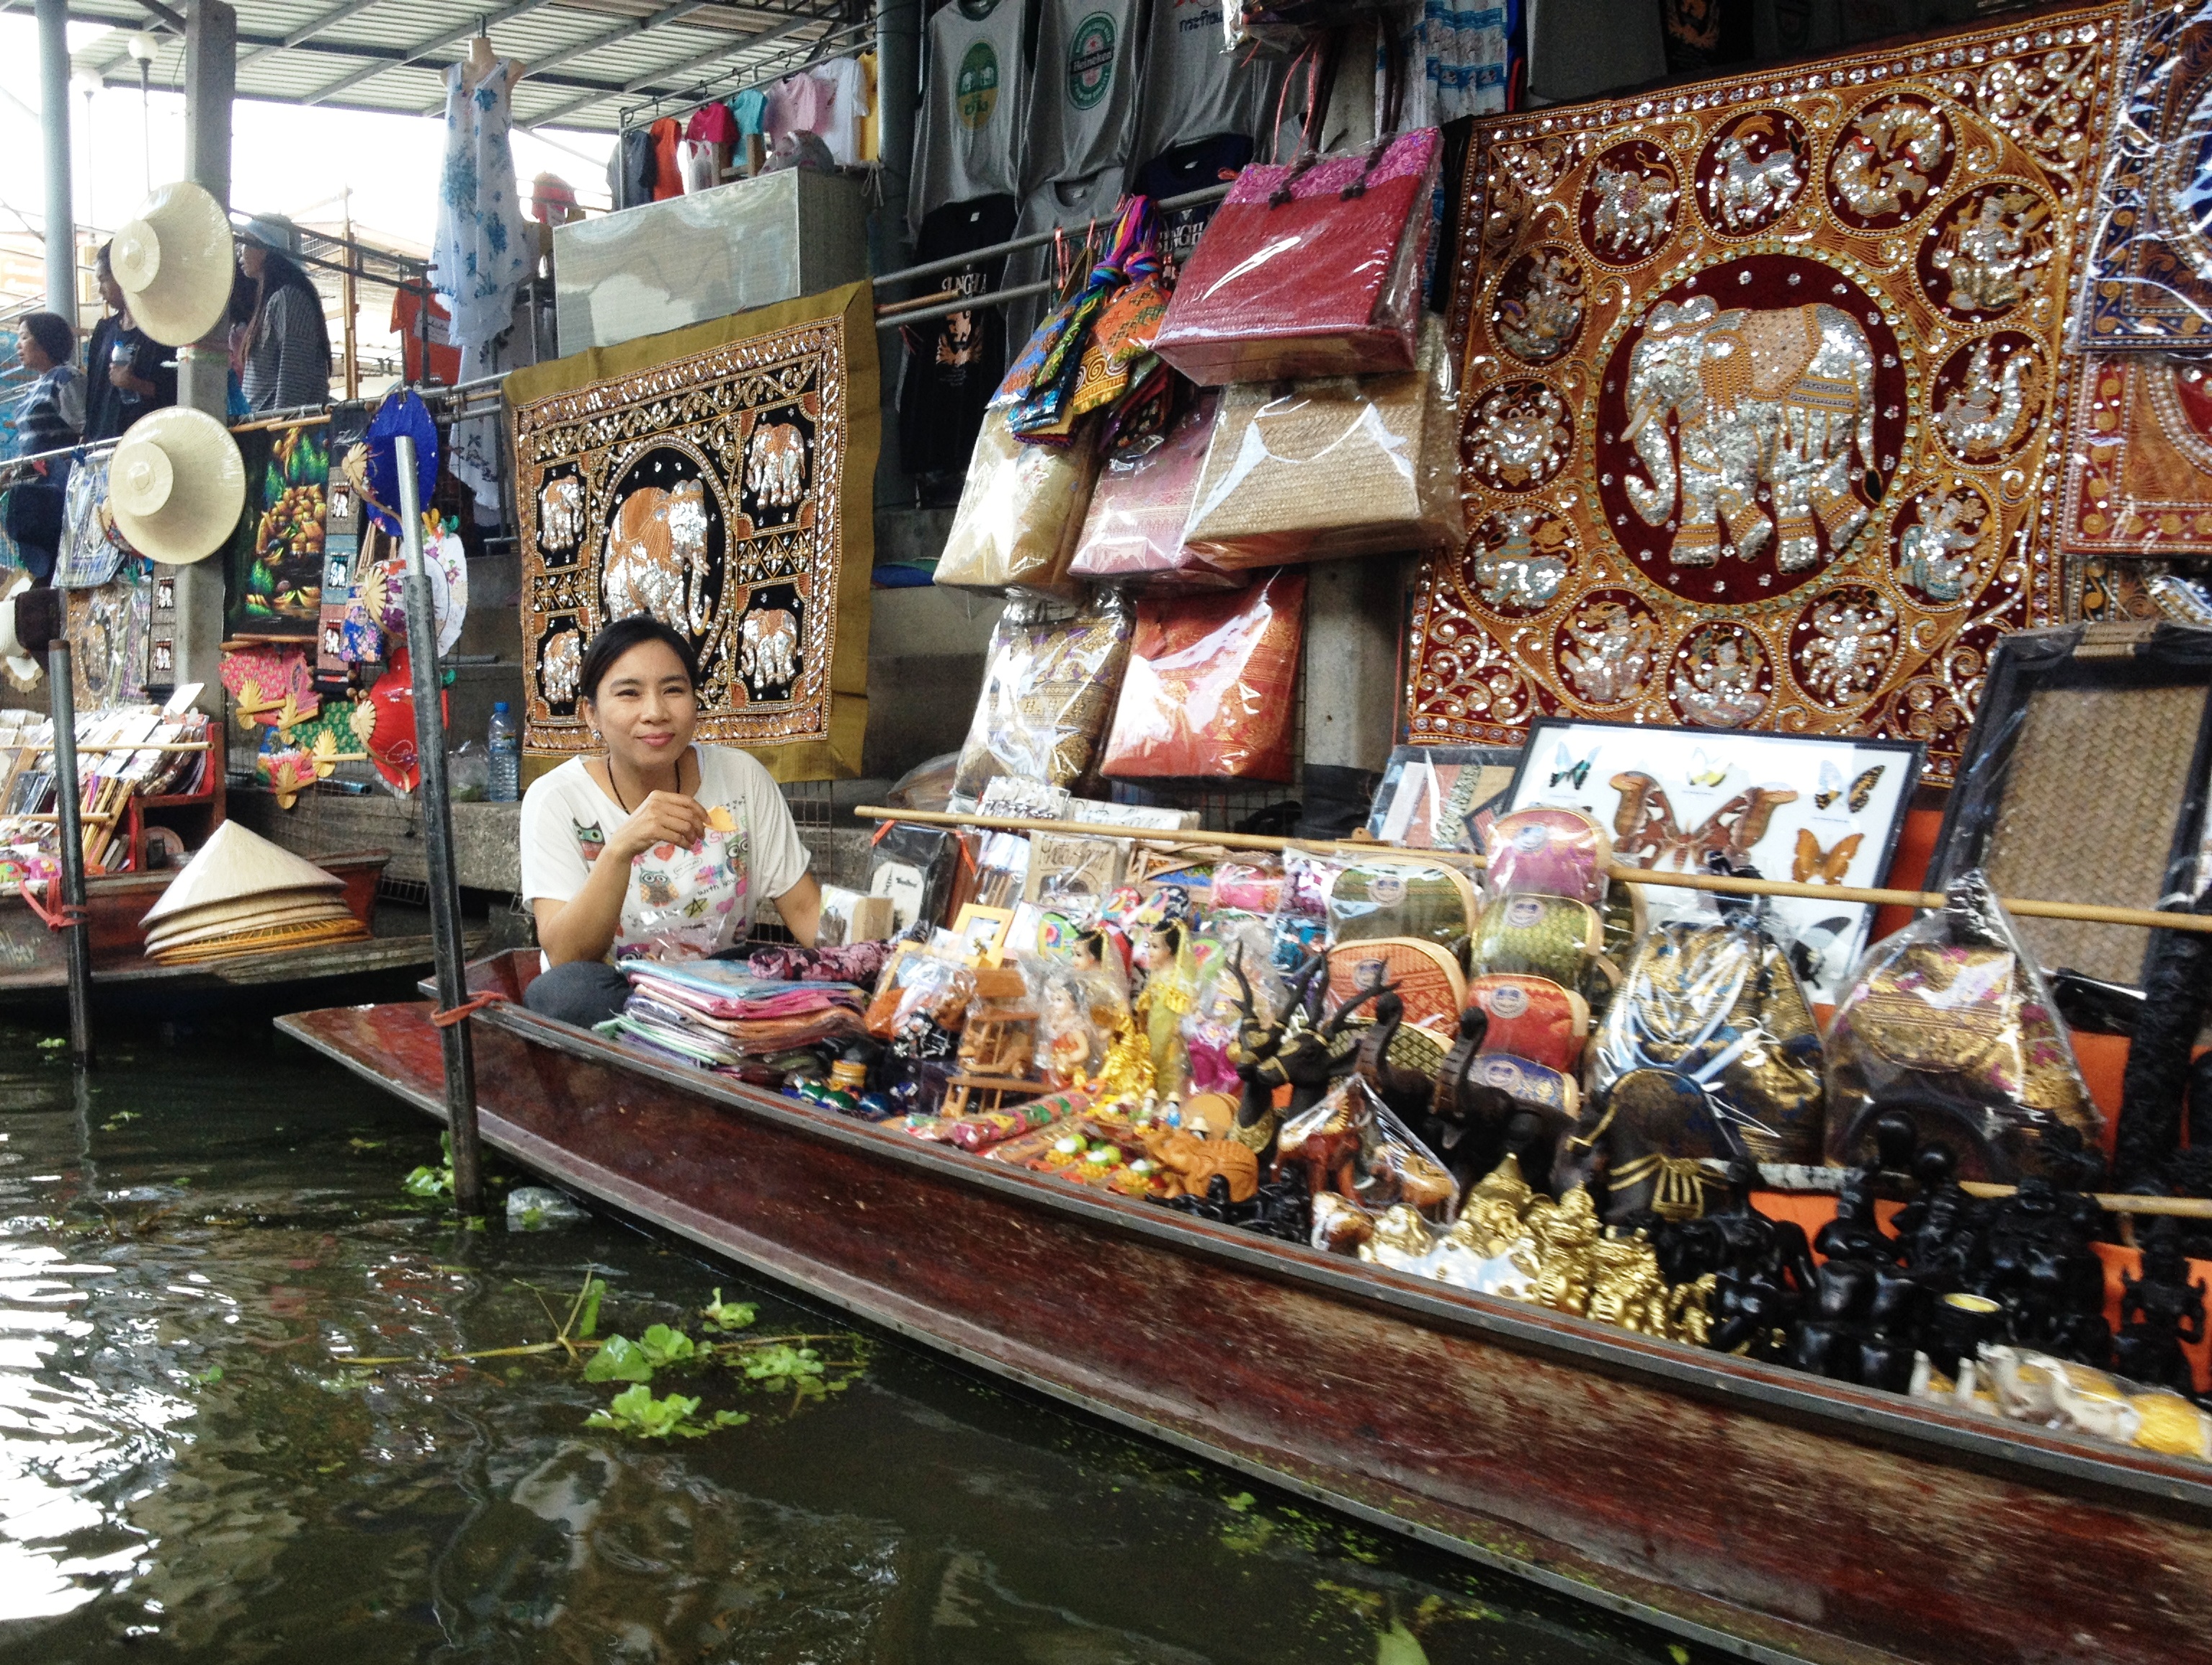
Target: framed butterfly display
[1818,810]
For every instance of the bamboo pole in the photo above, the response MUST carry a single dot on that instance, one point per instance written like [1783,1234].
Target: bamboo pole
[149,745]
[2115,1202]
[2091,913]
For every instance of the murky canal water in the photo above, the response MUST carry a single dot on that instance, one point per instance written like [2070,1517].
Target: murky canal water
[194,1249]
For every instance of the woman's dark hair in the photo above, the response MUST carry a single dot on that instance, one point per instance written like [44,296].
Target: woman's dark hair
[281,271]
[618,638]
[56,334]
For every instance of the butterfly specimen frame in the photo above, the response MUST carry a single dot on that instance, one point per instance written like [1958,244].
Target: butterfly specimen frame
[2085,779]
[1820,810]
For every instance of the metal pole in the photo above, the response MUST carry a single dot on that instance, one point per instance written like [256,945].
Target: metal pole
[898,91]
[438,841]
[76,938]
[54,118]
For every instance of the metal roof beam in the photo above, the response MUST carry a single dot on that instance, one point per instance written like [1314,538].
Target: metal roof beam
[422,49]
[308,31]
[744,44]
[624,31]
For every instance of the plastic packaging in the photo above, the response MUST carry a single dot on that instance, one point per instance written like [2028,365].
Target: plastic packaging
[2055,1392]
[1211,688]
[1950,1021]
[1531,1017]
[916,987]
[1387,897]
[1312,471]
[1048,692]
[1708,1052]
[1021,513]
[913,865]
[1310,270]
[468,770]
[1351,1142]
[1551,937]
[1547,852]
[1426,977]
[1139,505]
[503,745]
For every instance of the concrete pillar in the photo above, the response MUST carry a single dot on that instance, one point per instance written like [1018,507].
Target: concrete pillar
[898,93]
[54,119]
[204,369]
[1353,612]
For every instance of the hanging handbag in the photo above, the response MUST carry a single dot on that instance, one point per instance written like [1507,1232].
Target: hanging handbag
[1021,511]
[1209,691]
[1531,1017]
[1138,507]
[1310,270]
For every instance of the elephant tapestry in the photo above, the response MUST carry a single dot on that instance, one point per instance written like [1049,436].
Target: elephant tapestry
[1759,381]
[718,478]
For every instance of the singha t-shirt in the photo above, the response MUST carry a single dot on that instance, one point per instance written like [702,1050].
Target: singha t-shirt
[954,363]
[682,904]
[972,109]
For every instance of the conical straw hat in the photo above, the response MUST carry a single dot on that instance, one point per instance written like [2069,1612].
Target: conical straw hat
[262,904]
[173,264]
[175,485]
[166,937]
[236,863]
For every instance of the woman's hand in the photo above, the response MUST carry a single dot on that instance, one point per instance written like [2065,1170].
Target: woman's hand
[665,817]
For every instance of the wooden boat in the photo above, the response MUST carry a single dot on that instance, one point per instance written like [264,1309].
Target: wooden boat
[32,961]
[1764,1512]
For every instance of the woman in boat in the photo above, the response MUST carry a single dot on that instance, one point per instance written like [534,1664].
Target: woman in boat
[656,846]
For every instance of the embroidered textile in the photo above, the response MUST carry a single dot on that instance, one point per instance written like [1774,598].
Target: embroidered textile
[277,553]
[718,478]
[2139,475]
[1759,382]
[2149,280]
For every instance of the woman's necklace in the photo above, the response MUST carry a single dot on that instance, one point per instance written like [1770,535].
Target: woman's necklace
[615,786]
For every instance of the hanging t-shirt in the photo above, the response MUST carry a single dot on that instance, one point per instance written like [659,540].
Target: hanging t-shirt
[1187,168]
[798,104]
[711,123]
[445,356]
[1194,87]
[1077,205]
[1082,105]
[954,363]
[848,109]
[966,133]
[680,904]
[667,159]
[630,170]
[749,108]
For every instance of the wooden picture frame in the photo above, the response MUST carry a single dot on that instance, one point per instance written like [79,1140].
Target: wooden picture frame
[982,932]
[2085,779]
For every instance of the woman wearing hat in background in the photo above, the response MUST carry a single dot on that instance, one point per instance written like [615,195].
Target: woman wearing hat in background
[657,846]
[288,344]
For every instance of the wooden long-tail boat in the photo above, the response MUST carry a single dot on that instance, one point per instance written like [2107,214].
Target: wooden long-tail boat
[1773,1515]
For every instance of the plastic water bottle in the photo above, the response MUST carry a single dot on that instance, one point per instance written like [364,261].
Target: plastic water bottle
[505,748]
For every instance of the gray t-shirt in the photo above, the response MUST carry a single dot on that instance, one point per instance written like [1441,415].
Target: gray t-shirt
[1083,103]
[1075,204]
[1193,89]
[972,111]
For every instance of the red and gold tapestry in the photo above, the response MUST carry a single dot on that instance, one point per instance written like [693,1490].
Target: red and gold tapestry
[2139,479]
[1759,382]
[720,478]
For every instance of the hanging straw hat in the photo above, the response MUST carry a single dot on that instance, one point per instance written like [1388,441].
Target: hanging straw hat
[21,665]
[173,262]
[235,864]
[176,485]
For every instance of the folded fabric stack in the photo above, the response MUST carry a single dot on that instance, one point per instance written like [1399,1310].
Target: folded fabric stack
[716,1013]
[243,895]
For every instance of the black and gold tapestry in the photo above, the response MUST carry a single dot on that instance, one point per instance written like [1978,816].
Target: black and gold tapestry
[275,589]
[720,478]
[1762,389]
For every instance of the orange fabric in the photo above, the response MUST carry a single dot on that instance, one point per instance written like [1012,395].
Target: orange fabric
[667,170]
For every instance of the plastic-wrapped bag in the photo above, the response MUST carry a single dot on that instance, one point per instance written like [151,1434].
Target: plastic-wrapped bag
[1021,513]
[1312,471]
[1554,938]
[1950,1021]
[918,986]
[1707,1053]
[1531,1017]
[1547,852]
[915,866]
[1140,506]
[1426,977]
[1048,690]
[1310,270]
[1211,685]
[1400,897]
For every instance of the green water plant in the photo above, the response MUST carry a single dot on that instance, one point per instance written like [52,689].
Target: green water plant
[432,1182]
[635,1412]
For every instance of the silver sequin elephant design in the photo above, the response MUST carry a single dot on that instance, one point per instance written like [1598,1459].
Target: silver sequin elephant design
[656,557]
[768,649]
[1781,400]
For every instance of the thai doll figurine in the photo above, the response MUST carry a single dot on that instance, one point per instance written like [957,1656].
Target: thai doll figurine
[1065,1037]
[1169,992]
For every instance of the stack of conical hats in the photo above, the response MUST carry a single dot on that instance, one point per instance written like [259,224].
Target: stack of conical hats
[242,895]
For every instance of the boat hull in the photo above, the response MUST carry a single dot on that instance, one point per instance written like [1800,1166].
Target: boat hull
[1758,1510]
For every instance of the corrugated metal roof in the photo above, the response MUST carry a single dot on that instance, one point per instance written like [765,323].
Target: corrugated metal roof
[591,60]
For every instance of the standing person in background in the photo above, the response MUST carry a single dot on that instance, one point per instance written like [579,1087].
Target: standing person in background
[288,344]
[50,417]
[127,372]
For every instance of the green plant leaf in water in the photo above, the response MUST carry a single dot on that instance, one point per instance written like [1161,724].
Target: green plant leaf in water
[619,1359]
[428,1181]
[594,1290]
[1398,1646]
[635,1412]
[718,1316]
[780,1368]
[663,1346]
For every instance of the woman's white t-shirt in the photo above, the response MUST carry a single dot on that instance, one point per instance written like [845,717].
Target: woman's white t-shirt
[680,904]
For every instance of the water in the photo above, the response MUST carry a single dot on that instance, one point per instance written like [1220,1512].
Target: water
[191,1246]
[504,744]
